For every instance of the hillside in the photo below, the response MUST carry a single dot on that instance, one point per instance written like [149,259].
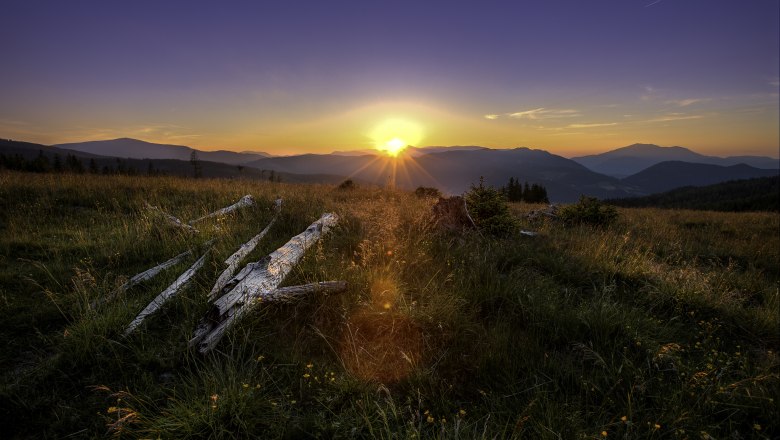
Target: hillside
[625,161]
[137,149]
[669,175]
[663,323]
[759,194]
[453,171]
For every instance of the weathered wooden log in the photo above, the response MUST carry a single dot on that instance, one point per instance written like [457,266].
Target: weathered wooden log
[234,260]
[174,221]
[293,293]
[245,201]
[167,294]
[255,281]
[143,276]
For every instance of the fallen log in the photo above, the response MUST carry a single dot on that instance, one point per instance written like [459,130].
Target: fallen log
[174,221]
[293,293]
[255,282]
[167,294]
[245,201]
[233,261]
[143,276]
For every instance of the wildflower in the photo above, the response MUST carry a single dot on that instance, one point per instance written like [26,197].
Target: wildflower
[462,412]
[443,420]
[656,426]
[214,397]
[309,365]
[624,419]
[757,427]
[306,375]
[603,433]
[430,419]
[260,358]
[246,385]
[114,409]
[293,402]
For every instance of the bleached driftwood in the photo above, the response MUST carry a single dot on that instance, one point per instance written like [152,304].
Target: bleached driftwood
[254,282]
[529,233]
[143,276]
[171,219]
[245,201]
[167,294]
[234,260]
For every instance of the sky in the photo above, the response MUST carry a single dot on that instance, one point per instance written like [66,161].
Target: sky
[569,76]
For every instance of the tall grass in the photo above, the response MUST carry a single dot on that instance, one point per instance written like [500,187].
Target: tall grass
[663,324]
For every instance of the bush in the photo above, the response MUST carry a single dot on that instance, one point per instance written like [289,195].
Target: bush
[589,210]
[427,191]
[347,184]
[488,208]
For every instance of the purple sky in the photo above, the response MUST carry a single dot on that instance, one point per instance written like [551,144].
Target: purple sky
[289,76]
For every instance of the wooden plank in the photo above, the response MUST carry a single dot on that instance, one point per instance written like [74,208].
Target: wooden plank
[167,294]
[245,201]
[255,281]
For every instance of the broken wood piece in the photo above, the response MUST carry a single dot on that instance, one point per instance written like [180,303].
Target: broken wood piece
[171,219]
[143,276]
[254,282]
[167,294]
[529,233]
[234,260]
[245,201]
[292,293]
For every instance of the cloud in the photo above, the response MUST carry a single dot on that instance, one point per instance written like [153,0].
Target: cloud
[544,113]
[605,124]
[686,102]
[674,117]
[491,116]
[774,82]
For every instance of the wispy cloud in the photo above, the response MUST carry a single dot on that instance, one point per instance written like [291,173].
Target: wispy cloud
[674,117]
[544,113]
[775,82]
[687,102]
[603,124]
[492,116]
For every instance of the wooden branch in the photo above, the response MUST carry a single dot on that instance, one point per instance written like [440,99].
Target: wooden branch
[167,294]
[174,221]
[234,260]
[255,282]
[245,201]
[143,276]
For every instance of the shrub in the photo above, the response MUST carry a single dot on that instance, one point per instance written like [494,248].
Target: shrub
[427,191]
[589,210]
[347,184]
[488,208]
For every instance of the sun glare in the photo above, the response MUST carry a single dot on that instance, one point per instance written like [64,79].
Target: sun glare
[392,136]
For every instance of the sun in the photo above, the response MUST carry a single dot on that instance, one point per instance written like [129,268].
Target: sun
[394,146]
[392,136]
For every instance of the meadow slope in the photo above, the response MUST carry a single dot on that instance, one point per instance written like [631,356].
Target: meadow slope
[662,325]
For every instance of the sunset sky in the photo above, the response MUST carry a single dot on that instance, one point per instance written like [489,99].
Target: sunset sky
[571,77]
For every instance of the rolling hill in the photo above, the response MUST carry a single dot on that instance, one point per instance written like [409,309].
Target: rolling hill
[632,159]
[759,194]
[137,149]
[675,174]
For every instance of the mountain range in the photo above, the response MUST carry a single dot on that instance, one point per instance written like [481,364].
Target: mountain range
[137,149]
[625,161]
[450,169]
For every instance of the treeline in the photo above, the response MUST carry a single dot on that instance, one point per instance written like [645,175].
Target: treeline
[759,194]
[71,164]
[514,191]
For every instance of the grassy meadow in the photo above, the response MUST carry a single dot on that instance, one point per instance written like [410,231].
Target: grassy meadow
[662,325]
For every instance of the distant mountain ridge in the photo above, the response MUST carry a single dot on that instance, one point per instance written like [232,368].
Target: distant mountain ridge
[625,161]
[665,176]
[759,194]
[138,149]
